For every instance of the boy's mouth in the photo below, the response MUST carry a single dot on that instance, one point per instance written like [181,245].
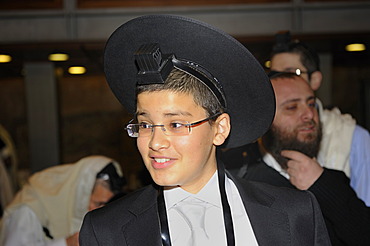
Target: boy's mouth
[161,160]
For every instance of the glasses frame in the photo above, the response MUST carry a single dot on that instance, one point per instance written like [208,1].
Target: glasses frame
[130,125]
[300,72]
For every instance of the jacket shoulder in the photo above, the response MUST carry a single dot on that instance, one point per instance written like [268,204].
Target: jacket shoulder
[275,196]
[127,206]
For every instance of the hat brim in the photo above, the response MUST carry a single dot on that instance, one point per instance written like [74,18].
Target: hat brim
[249,94]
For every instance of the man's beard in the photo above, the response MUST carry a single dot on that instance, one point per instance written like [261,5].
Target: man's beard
[275,140]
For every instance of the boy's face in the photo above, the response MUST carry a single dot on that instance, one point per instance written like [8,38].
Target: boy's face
[188,161]
[288,62]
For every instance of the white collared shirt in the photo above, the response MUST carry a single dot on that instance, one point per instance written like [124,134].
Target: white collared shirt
[214,222]
[270,161]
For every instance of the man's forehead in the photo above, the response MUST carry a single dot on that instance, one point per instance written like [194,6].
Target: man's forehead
[286,61]
[290,89]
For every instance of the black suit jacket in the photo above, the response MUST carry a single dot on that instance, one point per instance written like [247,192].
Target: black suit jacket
[279,216]
[347,217]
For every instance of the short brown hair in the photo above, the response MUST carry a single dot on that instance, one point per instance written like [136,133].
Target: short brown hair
[180,81]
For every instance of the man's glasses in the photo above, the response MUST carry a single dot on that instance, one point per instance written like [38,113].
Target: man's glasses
[293,71]
[175,128]
[298,71]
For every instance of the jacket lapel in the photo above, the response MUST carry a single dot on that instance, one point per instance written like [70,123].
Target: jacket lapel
[142,228]
[270,225]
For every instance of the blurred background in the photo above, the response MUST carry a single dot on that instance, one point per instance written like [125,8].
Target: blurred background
[55,113]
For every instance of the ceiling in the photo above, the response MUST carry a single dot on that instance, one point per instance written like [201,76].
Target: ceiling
[90,54]
[81,54]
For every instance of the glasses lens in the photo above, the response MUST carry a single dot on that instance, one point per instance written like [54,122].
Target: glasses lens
[169,129]
[132,130]
[177,129]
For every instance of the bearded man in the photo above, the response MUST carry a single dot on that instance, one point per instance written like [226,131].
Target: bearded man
[290,148]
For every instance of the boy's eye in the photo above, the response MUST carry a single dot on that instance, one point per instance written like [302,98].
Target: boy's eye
[145,125]
[176,125]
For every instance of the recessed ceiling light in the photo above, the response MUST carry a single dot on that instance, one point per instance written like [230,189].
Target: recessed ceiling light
[5,58]
[58,57]
[77,70]
[355,47]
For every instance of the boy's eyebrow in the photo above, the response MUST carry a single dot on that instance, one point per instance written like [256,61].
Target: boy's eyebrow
[140,113]
[169,114]
[177,113]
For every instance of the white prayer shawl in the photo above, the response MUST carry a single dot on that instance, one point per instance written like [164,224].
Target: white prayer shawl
[336,140]
[59,195]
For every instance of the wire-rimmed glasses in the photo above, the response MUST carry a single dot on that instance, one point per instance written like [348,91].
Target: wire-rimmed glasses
[173,128]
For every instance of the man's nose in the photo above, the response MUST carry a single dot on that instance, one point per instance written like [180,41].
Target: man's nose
[307,113]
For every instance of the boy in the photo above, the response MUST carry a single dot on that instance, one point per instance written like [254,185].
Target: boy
[184,100]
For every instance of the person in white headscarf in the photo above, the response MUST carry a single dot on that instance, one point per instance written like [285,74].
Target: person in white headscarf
[50,207]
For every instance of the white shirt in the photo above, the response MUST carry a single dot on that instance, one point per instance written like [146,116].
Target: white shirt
[214,223]
[270,161]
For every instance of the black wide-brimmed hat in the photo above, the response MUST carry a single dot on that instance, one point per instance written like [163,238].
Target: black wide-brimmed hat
[249,95]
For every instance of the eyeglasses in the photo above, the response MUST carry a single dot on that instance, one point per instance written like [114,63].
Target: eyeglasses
[298,71]
[175,128]
[292,71]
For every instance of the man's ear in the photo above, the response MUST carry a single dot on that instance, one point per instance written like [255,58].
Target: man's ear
[223,128]
[315,81]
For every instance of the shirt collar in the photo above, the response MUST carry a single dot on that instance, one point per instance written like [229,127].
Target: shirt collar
[209,193]
[270,161]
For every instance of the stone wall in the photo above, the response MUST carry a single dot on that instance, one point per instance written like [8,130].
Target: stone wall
[91,122]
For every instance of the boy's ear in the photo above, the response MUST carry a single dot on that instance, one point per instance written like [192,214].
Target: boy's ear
[315,81]
[223,128]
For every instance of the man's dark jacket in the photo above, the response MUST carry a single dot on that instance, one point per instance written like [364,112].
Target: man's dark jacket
[346,216]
